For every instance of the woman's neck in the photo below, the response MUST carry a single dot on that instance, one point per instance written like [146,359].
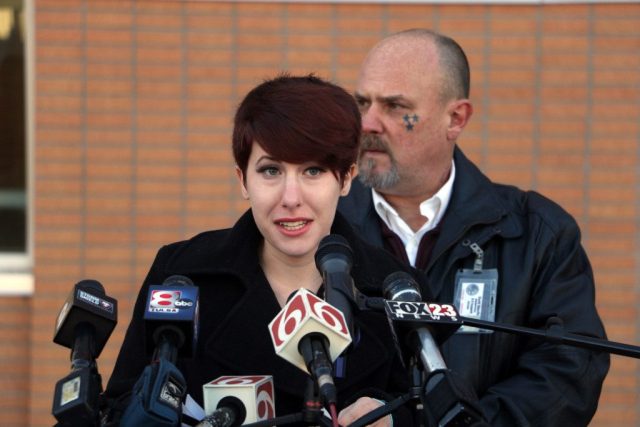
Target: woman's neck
[286,276]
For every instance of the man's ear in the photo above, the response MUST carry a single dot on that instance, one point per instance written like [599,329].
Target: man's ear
[348,179]
[243,186]
[460,112]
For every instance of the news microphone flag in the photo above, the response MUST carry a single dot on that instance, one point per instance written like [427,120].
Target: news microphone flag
[255,392]
[442,319]
[172,305]
[306,314]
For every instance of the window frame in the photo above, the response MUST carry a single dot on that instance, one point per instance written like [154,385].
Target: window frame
[16,268]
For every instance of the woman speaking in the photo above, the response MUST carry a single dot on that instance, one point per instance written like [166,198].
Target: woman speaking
[295,143]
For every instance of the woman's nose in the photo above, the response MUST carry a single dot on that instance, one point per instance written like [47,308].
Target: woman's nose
[292,194]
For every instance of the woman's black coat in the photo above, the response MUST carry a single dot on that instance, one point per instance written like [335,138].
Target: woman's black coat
[237,304]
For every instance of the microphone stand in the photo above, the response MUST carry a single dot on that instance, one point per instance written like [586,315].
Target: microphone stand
[442,394]
[75,401]
[554,332]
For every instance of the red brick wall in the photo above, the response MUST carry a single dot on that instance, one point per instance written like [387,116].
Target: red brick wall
[14,360]
[133,109]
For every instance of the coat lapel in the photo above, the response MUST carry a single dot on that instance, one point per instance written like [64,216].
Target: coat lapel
[473,202]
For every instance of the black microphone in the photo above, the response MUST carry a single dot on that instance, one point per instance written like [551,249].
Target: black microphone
[334,260]
[230,412]
[171,319]
[84,325]
[447,399]
[171,330]
[400,286]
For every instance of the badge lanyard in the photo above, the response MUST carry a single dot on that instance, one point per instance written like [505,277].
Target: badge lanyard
[475,291]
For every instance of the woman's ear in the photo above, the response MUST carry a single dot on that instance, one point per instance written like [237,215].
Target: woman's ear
[243,183]
[348,179]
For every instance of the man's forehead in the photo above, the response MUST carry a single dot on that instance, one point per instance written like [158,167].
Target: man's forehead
[382,96]
[408,82]
[382,86]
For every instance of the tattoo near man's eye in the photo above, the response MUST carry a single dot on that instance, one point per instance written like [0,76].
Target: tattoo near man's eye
[410,121]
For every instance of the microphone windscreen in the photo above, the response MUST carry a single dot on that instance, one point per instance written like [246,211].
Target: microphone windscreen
[87,303]
[93,285]
[177,280]
[334,246]
[400,286]
[334,260]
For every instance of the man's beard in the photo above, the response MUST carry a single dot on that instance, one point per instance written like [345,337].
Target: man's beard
[367,167]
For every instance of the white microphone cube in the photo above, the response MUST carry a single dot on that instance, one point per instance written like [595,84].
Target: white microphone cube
[303,314]
[254,391]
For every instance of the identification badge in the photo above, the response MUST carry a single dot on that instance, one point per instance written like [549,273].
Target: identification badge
[475,296]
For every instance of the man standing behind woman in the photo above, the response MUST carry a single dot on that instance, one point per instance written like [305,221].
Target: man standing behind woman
[499,253]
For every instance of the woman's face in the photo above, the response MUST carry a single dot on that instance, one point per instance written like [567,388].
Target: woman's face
[293,204]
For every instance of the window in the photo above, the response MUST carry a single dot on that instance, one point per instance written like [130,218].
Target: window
[14,209]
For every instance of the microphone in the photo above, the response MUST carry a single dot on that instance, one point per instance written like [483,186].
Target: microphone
[311,334]
[451,401]
[171,330]
[84,325]
[401,290]
[171,318]
[86,320]
[236,400]
[334,260]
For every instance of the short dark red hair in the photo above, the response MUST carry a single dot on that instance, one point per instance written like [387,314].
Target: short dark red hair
[298,120]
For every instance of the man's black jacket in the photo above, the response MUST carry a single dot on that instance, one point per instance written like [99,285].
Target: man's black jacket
[543,272]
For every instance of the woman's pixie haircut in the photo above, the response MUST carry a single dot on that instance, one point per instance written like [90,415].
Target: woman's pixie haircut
[299,120]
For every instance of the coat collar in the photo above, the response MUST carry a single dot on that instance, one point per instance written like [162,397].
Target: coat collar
[234,251]
[474,201]
[227,251]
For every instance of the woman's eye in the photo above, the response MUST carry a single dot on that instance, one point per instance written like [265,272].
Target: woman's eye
[315,171]
[269,171]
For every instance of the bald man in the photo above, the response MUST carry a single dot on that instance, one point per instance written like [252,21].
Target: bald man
[498,253]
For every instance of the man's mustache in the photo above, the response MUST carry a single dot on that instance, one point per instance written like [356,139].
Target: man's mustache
[373,142]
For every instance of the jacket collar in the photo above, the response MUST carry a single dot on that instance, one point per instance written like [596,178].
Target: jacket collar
[474,201]
[358,207]
[475,214]
[232,250]
[227,251]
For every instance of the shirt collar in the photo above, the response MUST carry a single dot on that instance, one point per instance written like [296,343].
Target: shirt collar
[433,209]
[443,196]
